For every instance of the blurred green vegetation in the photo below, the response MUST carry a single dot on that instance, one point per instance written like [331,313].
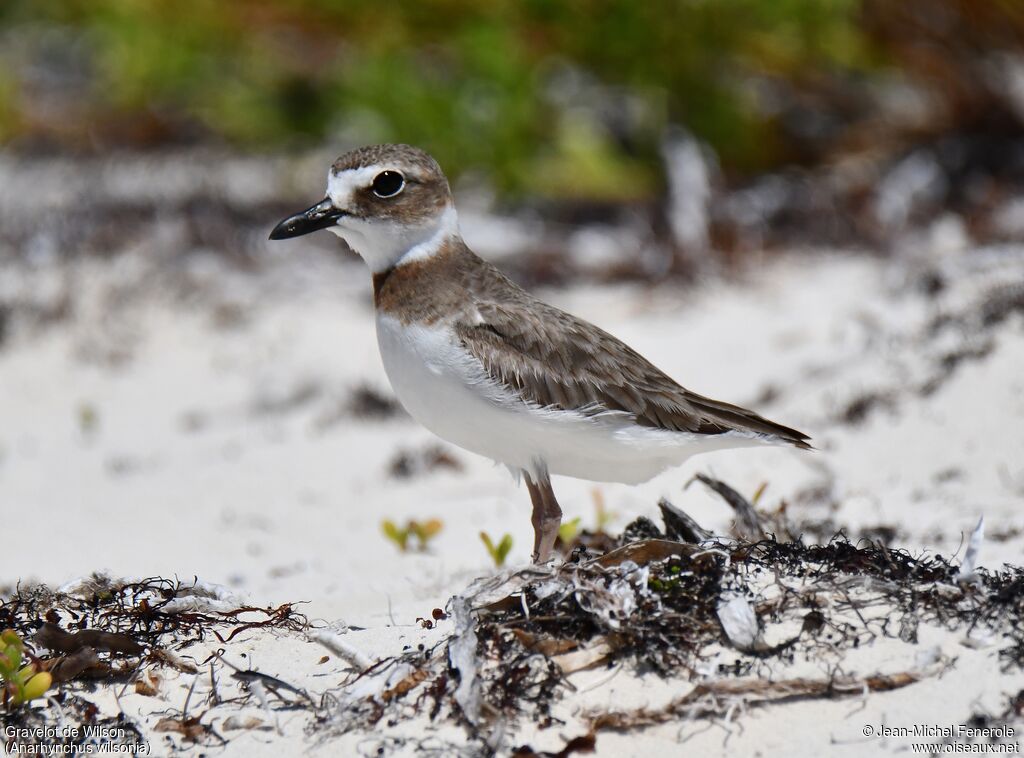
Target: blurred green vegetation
[566,98]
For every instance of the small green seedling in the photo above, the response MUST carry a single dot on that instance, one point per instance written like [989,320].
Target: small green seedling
[500,551]
[426,531]
[399,536]
[568,530]
[20,683]
[423,532]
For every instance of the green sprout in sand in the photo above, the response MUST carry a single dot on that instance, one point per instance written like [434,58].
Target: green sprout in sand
[20,683]
[497,552]
[422,532]
[568,530]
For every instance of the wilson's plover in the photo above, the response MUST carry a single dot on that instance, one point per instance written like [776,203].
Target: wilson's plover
[489,367]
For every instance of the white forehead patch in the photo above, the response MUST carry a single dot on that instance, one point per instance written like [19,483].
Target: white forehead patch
[342,185]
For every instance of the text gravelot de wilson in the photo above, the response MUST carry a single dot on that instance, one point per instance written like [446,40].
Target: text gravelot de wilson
[68,740]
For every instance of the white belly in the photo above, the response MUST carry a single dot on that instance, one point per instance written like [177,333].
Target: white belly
[446,389]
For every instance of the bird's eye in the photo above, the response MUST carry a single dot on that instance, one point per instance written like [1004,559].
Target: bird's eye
[388,184]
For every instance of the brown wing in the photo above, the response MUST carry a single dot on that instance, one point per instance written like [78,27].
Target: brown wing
[554,359]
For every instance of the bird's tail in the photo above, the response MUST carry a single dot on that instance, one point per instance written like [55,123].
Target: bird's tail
[723,417]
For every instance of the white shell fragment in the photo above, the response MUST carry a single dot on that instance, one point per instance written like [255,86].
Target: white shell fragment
[739,622]
[967,568]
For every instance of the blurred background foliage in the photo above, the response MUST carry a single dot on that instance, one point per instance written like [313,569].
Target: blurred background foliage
[566,99]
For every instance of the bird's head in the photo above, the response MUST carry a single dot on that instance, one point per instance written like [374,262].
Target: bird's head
[388,202]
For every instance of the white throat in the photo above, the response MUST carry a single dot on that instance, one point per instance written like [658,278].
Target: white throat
[383,243]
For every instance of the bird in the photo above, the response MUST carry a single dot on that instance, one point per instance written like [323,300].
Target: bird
[492,369]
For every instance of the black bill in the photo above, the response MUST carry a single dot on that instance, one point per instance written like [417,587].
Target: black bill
[320,216]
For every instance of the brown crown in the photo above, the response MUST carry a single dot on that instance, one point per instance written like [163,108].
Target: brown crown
[398,156]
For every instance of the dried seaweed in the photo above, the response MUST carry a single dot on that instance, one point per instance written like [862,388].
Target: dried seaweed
[717,698]
[132,617]
[101,630]
[748,523]
[53,637]
[679,525]
[655,605]
[723,617]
